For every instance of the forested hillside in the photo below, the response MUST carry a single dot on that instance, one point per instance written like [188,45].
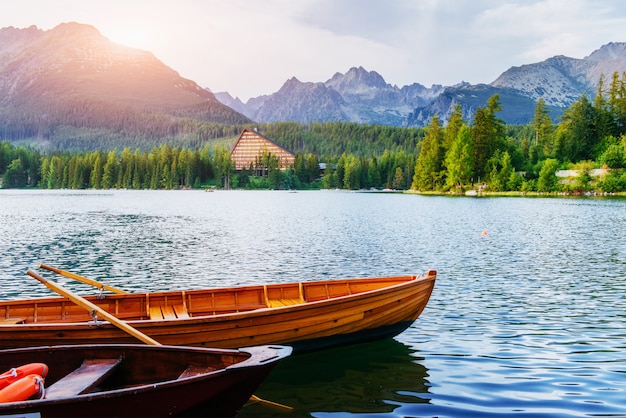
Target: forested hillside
[335,138]
[453,158]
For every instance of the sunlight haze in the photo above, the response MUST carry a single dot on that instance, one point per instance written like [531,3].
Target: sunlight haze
[250,48]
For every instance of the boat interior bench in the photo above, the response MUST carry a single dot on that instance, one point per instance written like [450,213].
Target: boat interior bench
[276,303]
[276,300]
[168,312]
[89,375]
[11,321]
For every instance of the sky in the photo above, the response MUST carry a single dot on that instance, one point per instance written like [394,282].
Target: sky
[251,47]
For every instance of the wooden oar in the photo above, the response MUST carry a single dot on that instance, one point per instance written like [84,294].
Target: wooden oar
[255,398]
[84,303]
[82,279]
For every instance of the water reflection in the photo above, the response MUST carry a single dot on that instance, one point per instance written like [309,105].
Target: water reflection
[371,378]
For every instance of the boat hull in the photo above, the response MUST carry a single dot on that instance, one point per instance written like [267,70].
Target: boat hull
[370,309]
[217,393]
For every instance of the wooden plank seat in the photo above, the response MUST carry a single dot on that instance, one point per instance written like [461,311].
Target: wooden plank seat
[276,302]
[89,375]
[11,321]
[168,312]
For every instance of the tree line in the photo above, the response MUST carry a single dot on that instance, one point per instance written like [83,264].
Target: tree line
[589,135]
[164,167]
[451,158]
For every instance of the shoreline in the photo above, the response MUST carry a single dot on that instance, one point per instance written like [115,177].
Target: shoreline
[519,194]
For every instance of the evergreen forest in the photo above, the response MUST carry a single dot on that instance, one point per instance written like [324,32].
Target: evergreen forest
[481,154]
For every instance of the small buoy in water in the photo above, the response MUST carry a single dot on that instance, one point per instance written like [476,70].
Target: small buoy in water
[484,234]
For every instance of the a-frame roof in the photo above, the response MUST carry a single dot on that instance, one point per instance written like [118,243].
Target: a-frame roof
[248,130]
[251,144]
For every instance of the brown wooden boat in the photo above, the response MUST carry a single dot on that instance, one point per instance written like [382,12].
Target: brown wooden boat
[137,380]
[307,316]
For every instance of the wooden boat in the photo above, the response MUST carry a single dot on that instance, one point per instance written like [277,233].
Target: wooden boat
[307,316]
[137,380]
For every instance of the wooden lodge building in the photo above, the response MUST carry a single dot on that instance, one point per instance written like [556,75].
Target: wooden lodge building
[251,146]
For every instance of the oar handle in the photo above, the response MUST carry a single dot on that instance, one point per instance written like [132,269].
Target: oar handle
[38,277]
[90,307]
[53,269]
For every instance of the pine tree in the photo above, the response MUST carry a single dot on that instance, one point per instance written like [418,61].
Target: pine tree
[455,122]
[459,160]
[617,103]
[96,172]
[576,136]
[543,129]
[398,179]
[110,171]
[487,134]
[428,168]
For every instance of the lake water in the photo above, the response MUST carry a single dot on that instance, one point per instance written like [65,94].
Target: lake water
[527,319]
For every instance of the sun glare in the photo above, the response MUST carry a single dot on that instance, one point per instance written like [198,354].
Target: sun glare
[133,37]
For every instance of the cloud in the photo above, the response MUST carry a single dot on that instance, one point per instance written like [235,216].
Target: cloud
[537,30]
[251,47]
[477,41]
[374,20]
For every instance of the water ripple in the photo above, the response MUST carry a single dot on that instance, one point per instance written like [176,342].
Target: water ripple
[527,320]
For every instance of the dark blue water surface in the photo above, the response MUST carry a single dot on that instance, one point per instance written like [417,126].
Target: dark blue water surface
[527,319]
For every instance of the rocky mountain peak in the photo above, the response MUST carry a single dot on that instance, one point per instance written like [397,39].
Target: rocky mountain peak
[291,84]
[11,34]
[365,97]
[298,101]
[85,43]
[73,74]
[358,95]
[295,86]
[13,40]
[561,80]
[356,79]
[77,58]
[74,30]
[609,52]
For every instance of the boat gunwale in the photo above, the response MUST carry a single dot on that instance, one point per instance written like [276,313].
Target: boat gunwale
[281,352]
[53,299]
[413,280]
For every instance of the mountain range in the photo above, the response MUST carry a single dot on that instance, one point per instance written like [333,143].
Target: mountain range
[363,96]
[70,87]
[70,78]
